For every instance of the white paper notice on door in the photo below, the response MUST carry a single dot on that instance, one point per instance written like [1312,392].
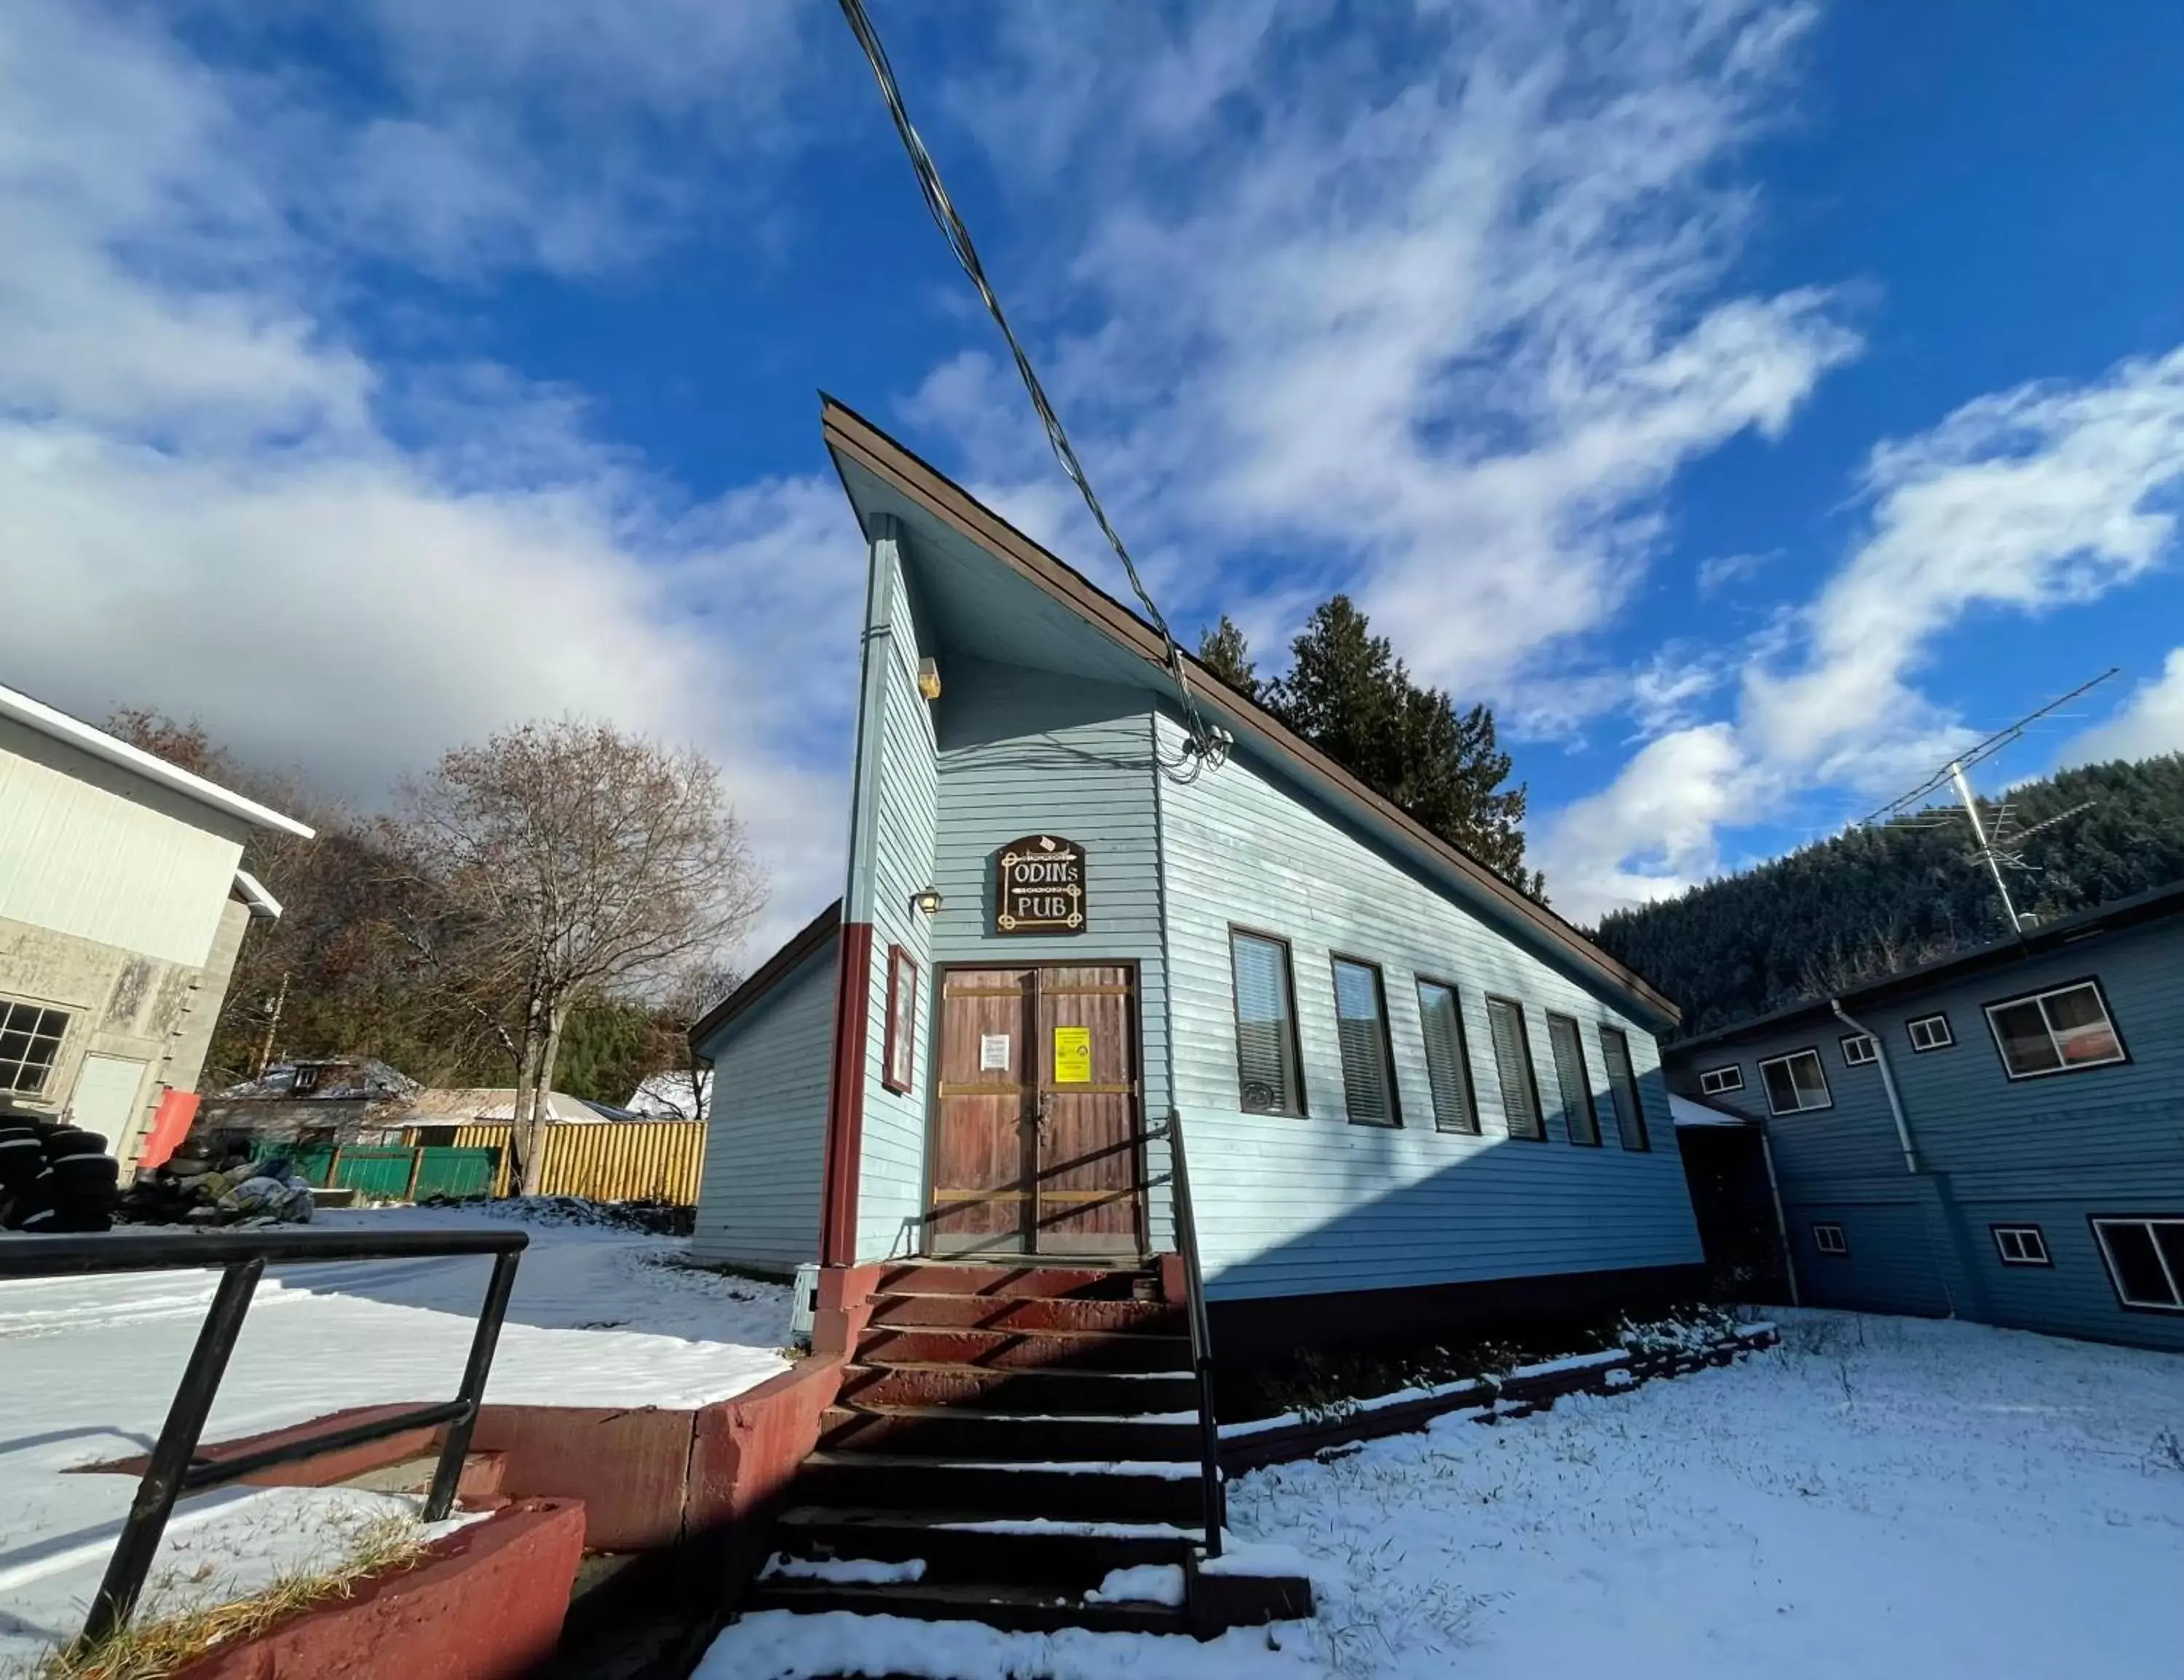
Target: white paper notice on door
[992,1052]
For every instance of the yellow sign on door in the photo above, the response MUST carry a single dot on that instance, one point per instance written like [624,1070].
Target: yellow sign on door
[1072,1055]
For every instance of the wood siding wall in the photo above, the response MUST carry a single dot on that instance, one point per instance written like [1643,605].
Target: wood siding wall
[757,1205]
[1027,752]
[649,1160]
[2050,1151]
[1295,1205]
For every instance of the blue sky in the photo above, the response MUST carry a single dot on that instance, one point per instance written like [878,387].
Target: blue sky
[1749,400]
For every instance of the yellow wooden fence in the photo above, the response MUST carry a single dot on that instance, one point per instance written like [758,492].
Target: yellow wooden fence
[615,1161]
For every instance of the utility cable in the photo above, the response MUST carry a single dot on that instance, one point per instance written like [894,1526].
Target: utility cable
[1207,745]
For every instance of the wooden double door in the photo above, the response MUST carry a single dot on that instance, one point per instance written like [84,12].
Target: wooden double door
[1036,1145]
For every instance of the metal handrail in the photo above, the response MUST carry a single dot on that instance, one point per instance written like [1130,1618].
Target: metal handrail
[174,1468]
[1216,1496]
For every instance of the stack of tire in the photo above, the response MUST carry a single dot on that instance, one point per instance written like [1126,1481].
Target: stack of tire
[54,1177]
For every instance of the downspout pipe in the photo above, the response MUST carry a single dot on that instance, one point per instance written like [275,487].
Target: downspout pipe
[1781,1218]
[1888,1083]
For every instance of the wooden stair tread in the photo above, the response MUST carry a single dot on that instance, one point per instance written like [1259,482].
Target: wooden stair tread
[1001,1605]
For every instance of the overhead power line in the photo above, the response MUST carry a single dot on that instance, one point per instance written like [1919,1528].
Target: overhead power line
[1208,746]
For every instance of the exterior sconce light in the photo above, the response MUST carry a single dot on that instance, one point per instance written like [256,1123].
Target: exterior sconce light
[928,902]
[928,678]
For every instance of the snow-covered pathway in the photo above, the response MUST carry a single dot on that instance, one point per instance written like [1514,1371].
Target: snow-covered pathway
[601,1316]
[1878,1499]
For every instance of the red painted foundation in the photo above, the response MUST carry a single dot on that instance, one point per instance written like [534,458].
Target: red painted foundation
[486,1606]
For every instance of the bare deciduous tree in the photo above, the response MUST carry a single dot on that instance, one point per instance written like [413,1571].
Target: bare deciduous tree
[690,997]
[563,859]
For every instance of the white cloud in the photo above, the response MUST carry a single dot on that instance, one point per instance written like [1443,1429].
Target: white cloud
[2149,723]
[1652,832]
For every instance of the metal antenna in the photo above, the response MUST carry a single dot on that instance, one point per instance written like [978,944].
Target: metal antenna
[1952,775]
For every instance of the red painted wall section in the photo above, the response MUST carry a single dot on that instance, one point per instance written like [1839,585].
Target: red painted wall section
[846,1098]
[170,1124]
[488,1605]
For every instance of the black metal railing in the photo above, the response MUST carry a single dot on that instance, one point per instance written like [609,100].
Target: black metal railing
[174,1468]
[1216,1496]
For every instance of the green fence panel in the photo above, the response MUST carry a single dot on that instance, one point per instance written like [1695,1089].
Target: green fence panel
[456,1172]
[378,1175]
[308,1161]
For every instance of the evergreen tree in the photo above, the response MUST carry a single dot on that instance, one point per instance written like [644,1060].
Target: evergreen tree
[1347,693]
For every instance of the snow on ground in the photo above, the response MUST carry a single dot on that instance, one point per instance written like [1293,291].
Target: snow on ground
[600,1316]
[1879,1498]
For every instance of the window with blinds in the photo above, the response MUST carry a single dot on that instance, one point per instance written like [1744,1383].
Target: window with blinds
[1268,1079]
[1512,1065]
[1448,1057]
[1579,1117]
[1361,1025]
[1622,1088]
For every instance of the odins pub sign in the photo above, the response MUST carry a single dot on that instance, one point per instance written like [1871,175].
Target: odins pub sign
[1041,889]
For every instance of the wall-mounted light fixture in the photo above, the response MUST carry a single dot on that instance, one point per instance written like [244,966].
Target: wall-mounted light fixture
[928,902]
[928,678]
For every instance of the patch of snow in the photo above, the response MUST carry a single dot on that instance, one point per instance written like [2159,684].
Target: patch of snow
[780,1645]
[1140,1583]
[1483,1387]
[1048,1525]
[1552,1367]
[859,1572]
[1255,1557]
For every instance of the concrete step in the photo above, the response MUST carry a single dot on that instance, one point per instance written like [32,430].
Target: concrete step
[1067,1351]
[1102,1282]
[942,1311]
[959,1432]
[894,1381]
[1016,1609]
[1126,1492]
[480,1479]
[960,1548]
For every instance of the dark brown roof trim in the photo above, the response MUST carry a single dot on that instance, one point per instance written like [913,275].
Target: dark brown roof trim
[851,435]
[2142,907]
[806,942]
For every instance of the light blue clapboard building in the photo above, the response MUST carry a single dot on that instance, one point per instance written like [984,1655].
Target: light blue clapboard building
[1406,1090]
[1996,1136]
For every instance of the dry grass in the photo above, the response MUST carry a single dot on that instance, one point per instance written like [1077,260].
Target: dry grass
[153,1650]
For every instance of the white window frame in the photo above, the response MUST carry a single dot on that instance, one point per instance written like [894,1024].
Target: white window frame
[1827,1239]
[2102,1221]
[2039,997]
[2031,1252]
[1946,1041]
[1719,1081]
[1827,1093]
[1859,1042]
[44,1089]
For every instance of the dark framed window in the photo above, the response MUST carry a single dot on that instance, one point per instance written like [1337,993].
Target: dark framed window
[1269,1076]
[1796,1082]
[2145,1258]
[1512,1066]
[1858,1049]
[1930,1032]
[1829,1239]
[1361,1027]
[1448,1057]
[1573,1082]
[304,1080]
[2020,1245]
[30,1037]
[1623,1089]
[2059,1031]
[1715,1081]
[898,1055]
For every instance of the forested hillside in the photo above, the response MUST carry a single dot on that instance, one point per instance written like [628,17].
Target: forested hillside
[1877,899]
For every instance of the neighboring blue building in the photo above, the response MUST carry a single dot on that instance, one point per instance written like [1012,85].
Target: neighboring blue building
[1406,1087]
[2030,1168]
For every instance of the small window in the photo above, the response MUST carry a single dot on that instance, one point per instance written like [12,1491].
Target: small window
[1448,1057]
[899,1055]
[2145,1258]
[2056,1032]
[1930,1032]
[1580,1118]
[30,1045]
[1512,1065]
[1716,1082]
[1796,1082]
[1858,1049]
[1268,1078]
[1622,1088]
[1829,1239]
[1361,1027]
[2021,1245]
[305,1079]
